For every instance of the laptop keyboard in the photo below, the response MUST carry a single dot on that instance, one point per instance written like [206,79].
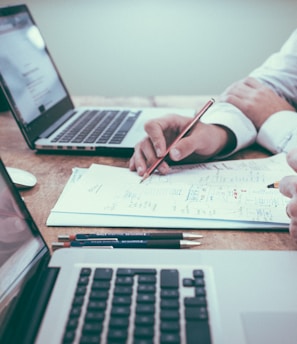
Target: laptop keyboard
[138,306]
[106,126]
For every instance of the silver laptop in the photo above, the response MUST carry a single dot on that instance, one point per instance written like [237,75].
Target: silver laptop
[42,106]
[138,295]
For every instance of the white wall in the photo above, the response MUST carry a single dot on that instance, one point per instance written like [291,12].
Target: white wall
[160,47]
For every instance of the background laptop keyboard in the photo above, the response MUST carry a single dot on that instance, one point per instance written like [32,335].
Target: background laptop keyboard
[138,306]
[106,126]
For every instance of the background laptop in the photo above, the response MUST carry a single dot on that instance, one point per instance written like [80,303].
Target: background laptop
[226,296]
[41,103]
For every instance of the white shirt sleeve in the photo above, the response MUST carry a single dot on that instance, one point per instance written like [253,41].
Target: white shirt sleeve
[279,132]
[229,116]
[279,71]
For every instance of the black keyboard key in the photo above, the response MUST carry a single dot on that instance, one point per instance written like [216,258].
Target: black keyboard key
[117,335]
[119,322]
[103,274]
[195,301]
[147,279]
[75,312]
[124,281]
[90,339]
[188,282]
[169,304]
[85,272]
[146,288]
[80,290]
[100,285]
[199,282]
[133,272]
[143,341]
[94,316]
[144,332]
[198,273]
[173,338]
[197,313]
[92,328]
[122,300]
[200,291]
[96,306]
[69,337]
[144,320]
[123,290]
[169,314]
[78,301]
[83,280]
[72,324]
[120,311]
[146,298]
[170,326]
[199,330]
[169,278]
[169,294]
[143,308]
[98,294]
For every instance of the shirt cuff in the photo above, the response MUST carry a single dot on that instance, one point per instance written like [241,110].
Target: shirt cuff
[279,132]
[227,115]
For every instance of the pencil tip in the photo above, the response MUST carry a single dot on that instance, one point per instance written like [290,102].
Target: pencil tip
[273,185]
[145,176]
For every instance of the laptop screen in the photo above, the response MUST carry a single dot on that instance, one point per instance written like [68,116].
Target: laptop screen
[21,245]
[30,80]
[26,68]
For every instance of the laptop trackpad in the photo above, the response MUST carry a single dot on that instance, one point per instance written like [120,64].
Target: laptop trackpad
[270,327]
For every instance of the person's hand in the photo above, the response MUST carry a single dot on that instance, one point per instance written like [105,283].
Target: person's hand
[257,101]
[288,187]
[203,142]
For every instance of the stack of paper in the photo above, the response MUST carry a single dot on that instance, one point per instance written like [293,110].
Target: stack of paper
[224,194]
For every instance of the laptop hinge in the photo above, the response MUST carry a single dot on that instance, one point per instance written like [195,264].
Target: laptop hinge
[30,309]
[44,290]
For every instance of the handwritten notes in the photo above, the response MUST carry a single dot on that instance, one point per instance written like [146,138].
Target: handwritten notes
[228,194]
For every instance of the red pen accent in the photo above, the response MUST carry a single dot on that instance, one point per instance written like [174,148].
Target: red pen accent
[183,133]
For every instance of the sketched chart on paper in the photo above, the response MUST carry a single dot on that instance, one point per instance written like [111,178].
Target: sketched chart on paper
[232,191]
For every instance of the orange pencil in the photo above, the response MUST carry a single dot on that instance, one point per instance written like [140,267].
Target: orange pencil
[182,134]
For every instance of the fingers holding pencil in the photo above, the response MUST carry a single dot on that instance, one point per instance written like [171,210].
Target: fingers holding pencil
[183,133]
[165,135]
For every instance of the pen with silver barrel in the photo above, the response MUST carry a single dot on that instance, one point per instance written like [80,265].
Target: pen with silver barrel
[162,244]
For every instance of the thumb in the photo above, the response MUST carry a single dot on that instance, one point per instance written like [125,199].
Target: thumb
[288,186]
[292,158]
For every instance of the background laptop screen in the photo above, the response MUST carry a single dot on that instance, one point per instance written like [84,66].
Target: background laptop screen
[26,67]
[19,243]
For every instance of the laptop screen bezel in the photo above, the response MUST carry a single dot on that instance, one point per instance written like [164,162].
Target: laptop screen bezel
[13,295]
[34,130]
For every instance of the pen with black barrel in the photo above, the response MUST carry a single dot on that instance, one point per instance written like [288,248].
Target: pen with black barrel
[130,236]
[172,244]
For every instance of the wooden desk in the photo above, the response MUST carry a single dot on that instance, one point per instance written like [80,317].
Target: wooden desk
[53,171]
